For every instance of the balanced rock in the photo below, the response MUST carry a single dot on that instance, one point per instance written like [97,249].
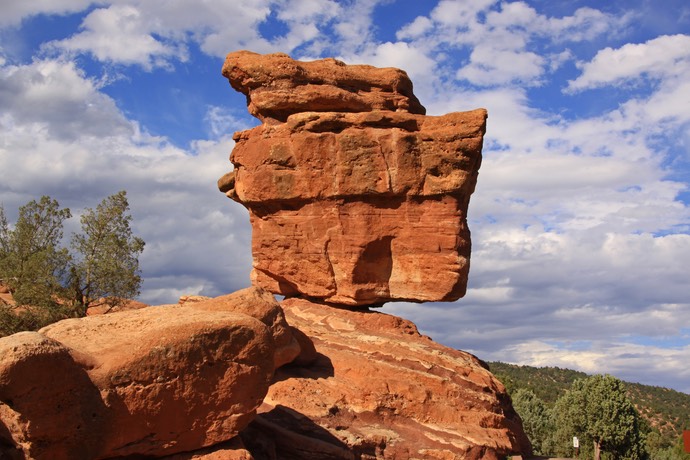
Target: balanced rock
[352,204]
[380,390]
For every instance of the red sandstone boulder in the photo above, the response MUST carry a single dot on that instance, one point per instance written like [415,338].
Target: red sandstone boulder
[149,382]
[186,299]
[171,379]
[230,450]
[277,86]
[103,308]
[380,390]
[49,409]
[260,304]
[352,205]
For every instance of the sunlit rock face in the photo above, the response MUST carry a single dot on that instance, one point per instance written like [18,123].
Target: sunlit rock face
[355,196]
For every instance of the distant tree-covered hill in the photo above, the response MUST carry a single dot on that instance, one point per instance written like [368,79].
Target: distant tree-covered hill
[665,410]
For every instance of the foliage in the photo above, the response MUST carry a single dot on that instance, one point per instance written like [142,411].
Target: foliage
[32,263]
[598,411]
[48,283]
[107,269]
[547,383]
[664,412]
[536,419]
[29,318]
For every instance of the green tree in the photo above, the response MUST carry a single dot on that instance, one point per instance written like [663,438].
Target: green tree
[536,419]
[598,411]
[106,266]
[32,263]
[662,450]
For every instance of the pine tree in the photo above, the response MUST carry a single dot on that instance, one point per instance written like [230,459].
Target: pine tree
[32,263]
[106,269]
[536,419]
[598,411]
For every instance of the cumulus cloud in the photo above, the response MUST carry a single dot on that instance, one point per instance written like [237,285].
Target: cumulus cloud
[500,35]
[665,56]
[490,66]
[120,34]
[621,359]
[56,96]
[14,11]
[150,35]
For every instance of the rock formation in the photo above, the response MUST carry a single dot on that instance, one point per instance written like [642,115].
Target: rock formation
[355,203]
[355,197]
[377,389]
[143,382]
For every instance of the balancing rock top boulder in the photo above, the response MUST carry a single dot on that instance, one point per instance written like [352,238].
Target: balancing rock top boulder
[277,86]
[355,196]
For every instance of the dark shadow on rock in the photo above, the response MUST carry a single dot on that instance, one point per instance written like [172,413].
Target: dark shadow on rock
[8,451]
[285,434]
[320,368]
[375,264]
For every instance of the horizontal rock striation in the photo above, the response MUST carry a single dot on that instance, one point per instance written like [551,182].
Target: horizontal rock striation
[277,86]
[352,205]
[377,389]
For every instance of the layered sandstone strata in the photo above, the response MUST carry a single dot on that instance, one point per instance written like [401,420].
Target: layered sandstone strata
[355,204]
[377,389]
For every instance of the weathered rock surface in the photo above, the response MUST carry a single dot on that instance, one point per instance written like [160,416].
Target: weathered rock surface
[49,409]
[260,304]
[277,86]
[230,450]
[147,382]
[380,390]
[104,308]
[352,205]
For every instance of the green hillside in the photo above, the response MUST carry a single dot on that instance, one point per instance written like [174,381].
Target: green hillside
[666,411]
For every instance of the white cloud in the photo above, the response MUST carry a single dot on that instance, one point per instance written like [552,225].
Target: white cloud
[57,97]
[584,25]
[459,13]
[506,39]
[490,66]
[120,33]
[416,29]
[14,11]
[222,121]
[154,34]
[664,56]
[418,65]
[621,359]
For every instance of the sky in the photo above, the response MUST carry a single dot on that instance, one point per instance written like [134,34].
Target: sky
[581,217]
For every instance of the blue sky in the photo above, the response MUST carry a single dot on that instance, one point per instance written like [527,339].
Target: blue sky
[581,218]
